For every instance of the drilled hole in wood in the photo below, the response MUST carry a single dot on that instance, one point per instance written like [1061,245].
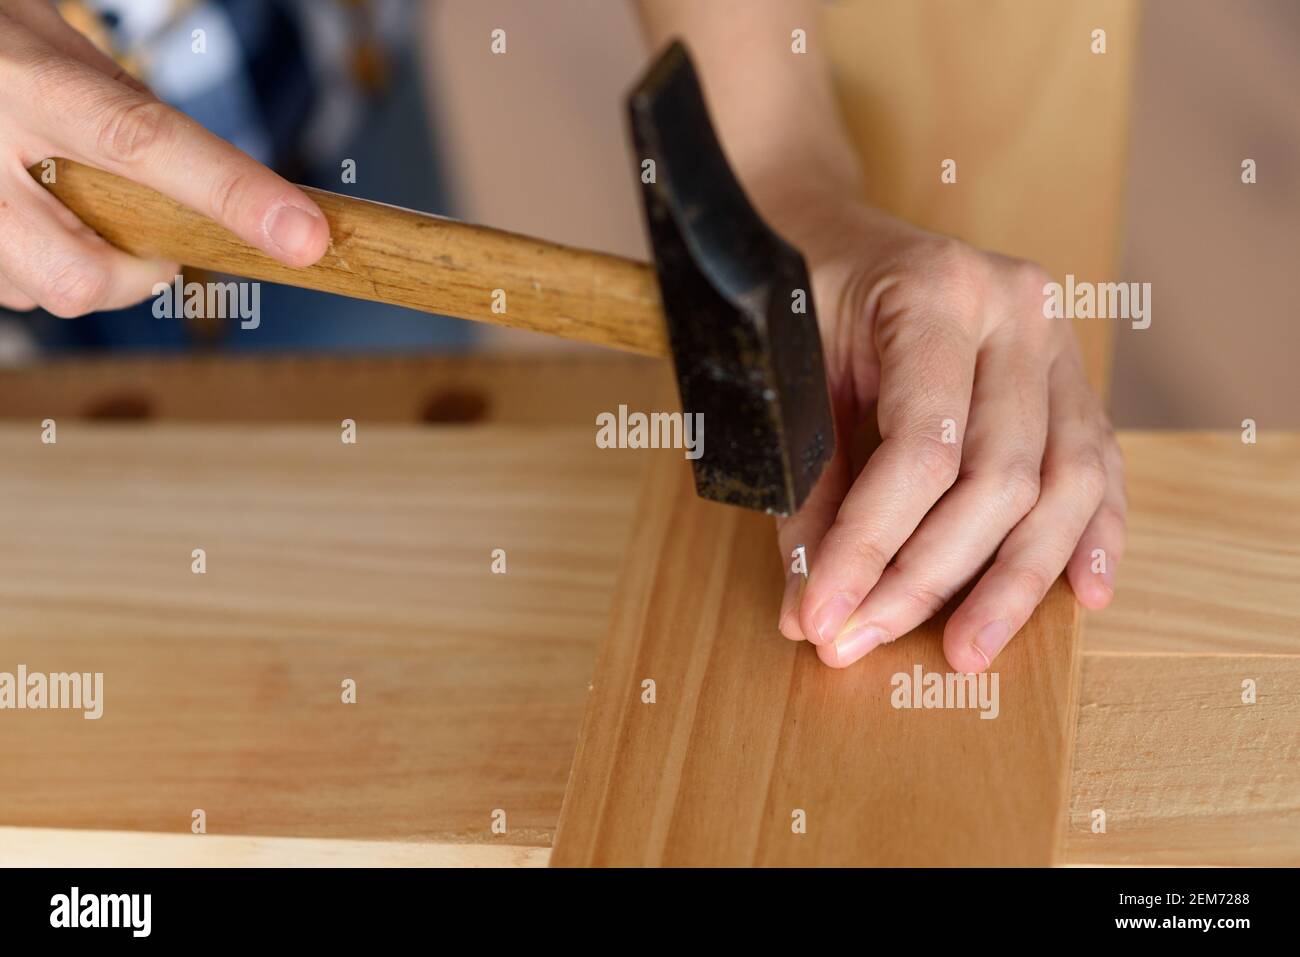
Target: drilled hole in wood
[121,407]
[455,407]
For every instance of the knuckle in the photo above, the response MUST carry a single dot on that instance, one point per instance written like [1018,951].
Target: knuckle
[938,462]
[1111,519]
[1027,280]
[954,260]
[226,191]
[126,78]
[1088,469]
[130,129]
[947,278]
[926,596]
[1025,284]
[960,272]
[861,545]
[1030,580]
[1021,483]
[75,288]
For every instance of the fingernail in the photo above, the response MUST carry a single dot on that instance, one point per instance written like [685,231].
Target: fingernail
[992,638]
[830,618]
[1108,575]
[291,228]
[856,642]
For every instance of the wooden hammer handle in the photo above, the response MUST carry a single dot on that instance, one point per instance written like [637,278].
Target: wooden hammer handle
[394,255]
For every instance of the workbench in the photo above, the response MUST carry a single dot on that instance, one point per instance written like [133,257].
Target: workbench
[374,562]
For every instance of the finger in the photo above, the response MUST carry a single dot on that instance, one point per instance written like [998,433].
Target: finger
[927,368]
[1074,479]
[65,272]
[101,123]
[1091,569]
[998,485]
[805,528]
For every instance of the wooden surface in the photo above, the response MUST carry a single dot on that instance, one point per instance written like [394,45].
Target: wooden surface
[371,562]
[1213,561]
[1185,771]
[748,728]
[324,562]
[393,255]
[1036,122]
[1208,596]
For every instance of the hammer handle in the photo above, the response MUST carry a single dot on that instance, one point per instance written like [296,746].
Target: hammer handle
[388,254]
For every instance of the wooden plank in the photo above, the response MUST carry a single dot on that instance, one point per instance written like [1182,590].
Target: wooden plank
[324,562]
[434,389]
[1185,771]
[372,564]
[1213,552]
[748,728]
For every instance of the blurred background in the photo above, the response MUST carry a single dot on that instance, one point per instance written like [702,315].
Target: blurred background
[533,141]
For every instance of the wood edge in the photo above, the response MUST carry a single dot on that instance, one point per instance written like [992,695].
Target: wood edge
[1070,715]
[56,847]
[646,532]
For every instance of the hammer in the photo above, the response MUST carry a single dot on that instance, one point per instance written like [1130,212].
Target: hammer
[727,299]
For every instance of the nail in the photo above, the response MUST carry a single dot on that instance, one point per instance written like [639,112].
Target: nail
[1108,575]
[291,228]
[991,639]
[830,618]
[856,642]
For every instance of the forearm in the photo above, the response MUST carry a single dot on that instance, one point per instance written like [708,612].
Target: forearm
[774,109]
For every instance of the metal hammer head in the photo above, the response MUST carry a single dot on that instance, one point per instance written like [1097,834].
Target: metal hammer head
[738,303]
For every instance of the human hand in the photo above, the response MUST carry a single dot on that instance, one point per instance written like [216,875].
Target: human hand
[993,446]
[63,97]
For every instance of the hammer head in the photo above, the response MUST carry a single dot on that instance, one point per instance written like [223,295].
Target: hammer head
[738,303]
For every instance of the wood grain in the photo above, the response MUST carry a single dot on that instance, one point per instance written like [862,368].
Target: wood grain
[1213,559]
[748,727]
[1186,773]
[221,690]
[398,256]
[324,562]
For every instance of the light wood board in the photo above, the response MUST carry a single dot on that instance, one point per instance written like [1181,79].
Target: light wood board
[222,691]
[748,729]
[1213,560]
[1186,772]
